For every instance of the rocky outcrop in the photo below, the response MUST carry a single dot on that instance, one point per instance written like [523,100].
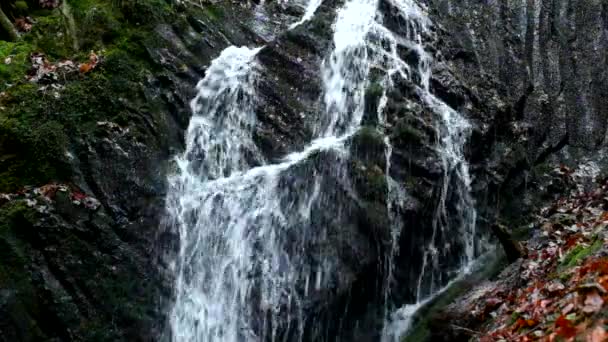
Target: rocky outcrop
[532,74]
[289,103]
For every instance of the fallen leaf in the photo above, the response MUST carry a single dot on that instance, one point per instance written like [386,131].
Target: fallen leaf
[567,309]
[564,327]
[85,67]
[593,303]
[23,25]
[555,286]
[78,196]
[597,335]
[493,302]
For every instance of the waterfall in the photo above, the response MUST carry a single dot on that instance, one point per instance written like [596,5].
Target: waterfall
[250,246]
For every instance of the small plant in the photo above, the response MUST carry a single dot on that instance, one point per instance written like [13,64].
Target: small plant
[49,3]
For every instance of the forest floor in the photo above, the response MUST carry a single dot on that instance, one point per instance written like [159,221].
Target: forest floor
[558,291]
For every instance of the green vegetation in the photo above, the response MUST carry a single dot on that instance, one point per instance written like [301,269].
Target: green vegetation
[374,90]
[38,125]
[368,139]
[579,253]
[407,132]
[14,62]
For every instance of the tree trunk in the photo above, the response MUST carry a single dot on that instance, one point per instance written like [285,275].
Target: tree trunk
[7,28]
[513,249]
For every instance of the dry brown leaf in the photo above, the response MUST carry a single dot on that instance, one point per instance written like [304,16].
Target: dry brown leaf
[593,302]
[566,310]
[598,334]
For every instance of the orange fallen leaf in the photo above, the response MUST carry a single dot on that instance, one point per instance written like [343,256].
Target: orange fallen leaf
[85,67]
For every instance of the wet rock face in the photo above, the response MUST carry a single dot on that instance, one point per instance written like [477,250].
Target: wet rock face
[290,88]
[532,74]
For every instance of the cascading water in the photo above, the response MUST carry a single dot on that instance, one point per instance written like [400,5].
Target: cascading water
[247,233]
[453,131]
[239,253]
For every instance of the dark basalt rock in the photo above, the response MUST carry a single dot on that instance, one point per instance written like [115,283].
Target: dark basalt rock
[538,65]
[289,91]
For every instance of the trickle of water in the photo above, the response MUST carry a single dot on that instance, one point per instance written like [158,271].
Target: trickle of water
[345,73]
[453,130]
[310,11]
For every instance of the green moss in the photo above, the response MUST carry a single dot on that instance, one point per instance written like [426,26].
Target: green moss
[368,139]
[51,36]
[36,126]
[407,132]
[17,56]
[375,185]
[99,27]
[579,253]
[145,12]
[31,154]
[374,90]
[214,12]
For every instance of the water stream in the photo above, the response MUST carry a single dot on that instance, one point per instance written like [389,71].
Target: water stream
[250,242]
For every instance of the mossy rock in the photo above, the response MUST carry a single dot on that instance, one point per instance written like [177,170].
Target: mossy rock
[373,185]
[31,154]
[14,62]
[51,35]
[374,90]
[408,133]
[368,140]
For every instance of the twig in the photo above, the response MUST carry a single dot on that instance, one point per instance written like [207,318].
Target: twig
[472,332]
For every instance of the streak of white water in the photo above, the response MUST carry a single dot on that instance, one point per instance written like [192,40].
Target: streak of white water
[345,73]
[218,138]
[310,11]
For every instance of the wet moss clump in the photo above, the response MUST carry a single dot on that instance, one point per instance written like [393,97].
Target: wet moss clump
[406,132]
[369,151]
[31,154]
[14,63]
[369,142]
[40,125]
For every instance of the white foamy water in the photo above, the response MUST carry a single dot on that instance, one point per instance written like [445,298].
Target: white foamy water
[250,247]
[239,270]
